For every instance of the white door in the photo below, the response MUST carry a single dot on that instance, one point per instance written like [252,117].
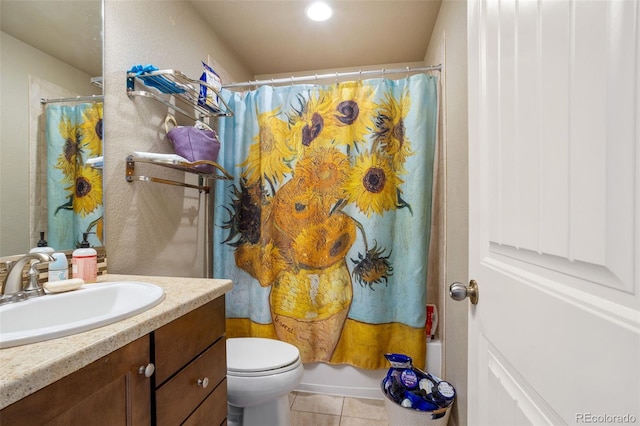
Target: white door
[554,108]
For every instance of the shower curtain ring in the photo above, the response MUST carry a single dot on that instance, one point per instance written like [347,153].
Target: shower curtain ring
[292,80]
[407,72]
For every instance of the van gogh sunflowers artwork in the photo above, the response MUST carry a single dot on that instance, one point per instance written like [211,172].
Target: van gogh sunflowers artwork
[325,230]
[74,188]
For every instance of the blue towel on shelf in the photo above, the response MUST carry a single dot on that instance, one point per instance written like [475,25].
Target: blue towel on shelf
[160,82]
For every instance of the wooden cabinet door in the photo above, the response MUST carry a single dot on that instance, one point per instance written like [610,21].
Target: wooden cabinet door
[108,392]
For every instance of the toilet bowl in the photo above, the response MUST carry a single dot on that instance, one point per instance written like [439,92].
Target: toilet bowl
[260,375]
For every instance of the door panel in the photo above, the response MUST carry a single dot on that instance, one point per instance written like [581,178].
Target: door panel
[554,210]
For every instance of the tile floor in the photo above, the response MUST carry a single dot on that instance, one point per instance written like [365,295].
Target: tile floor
[330,410]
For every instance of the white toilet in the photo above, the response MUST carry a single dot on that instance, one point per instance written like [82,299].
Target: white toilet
[260,375]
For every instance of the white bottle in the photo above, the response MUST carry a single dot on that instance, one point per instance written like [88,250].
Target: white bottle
[59,268]
[42,246]
[84,262]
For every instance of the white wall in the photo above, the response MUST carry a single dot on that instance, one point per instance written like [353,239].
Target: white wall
[448,46]
[148,230]
[19,62]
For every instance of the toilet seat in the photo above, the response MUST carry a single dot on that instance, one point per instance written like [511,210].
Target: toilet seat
[256,356]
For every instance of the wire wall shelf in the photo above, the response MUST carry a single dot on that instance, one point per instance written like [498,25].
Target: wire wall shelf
[219,172]
[165,85]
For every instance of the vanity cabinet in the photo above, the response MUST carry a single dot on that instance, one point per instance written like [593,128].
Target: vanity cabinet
[109,391]
[190,358]
[188,386]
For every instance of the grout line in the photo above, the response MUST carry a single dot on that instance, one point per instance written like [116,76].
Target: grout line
[340,416]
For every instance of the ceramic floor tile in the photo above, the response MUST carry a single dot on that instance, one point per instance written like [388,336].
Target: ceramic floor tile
[354,421]
[301,418]
[364,408]
[318,403]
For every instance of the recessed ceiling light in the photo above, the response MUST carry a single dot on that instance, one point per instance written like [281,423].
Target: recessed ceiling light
[319,11]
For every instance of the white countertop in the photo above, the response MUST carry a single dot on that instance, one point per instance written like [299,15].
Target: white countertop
[26,369]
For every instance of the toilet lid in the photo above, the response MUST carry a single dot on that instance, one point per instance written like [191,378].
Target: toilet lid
[253,354]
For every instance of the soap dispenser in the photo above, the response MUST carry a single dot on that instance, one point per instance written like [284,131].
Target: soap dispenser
[41,246]
[84,261]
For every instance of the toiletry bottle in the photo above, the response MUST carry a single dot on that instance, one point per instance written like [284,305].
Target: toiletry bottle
[84,262]
[42,246]
[59,268]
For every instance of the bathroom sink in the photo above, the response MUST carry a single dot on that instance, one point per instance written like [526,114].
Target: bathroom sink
[63,314]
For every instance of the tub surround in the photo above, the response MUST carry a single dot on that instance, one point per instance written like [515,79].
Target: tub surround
[354,382]
[26,369]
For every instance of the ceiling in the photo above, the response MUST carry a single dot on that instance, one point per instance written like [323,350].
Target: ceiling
[72,29]
[269,37]
[272,37]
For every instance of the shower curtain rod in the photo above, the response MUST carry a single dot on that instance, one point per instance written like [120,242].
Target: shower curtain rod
[73,99]
[336,75]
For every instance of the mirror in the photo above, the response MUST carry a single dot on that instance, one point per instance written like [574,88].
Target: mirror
[51,50]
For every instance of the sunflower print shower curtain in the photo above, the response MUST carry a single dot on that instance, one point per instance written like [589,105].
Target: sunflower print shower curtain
[74,188]
[325,230]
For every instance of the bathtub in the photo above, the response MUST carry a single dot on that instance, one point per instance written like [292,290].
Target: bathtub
[346,380]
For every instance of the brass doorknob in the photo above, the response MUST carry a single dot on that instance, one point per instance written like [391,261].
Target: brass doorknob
[459,291]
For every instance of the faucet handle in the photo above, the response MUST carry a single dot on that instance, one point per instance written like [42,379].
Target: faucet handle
[33,287]
[12,288]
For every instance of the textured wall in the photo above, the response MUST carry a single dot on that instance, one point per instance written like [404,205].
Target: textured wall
[150,227]
[448,46]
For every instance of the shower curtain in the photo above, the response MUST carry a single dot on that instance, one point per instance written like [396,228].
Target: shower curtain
[325,230]
[74,188]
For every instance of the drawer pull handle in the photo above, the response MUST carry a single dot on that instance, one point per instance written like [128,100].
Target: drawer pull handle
[148,370]
[203,382]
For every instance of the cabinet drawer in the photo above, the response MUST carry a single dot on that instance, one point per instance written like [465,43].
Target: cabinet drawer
[213,411]
[180,395]
[182,340]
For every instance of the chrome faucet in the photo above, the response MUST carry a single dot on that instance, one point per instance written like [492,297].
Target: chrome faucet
[12,288]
